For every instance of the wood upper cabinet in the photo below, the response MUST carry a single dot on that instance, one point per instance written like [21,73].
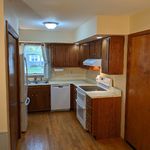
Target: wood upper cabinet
[73,56]
[58,55]
[64,55]
[137,131]
[95,49]
[84,53]
[103,117]
[40,98]
[89,50]
[113,55]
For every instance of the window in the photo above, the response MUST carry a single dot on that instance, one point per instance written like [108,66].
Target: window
[35,59]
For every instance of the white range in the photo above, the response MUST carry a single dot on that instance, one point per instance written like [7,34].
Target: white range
[102,89]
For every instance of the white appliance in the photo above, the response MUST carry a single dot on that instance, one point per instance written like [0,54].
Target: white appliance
[24,100]
[93,62]
[103,84]
[60,97]
[81,107]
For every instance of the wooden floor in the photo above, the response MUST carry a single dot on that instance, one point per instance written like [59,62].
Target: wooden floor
[61,131]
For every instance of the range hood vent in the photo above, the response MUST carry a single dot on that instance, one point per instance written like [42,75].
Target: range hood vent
[92,62]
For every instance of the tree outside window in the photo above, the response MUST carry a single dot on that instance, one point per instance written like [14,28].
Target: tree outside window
[34,58]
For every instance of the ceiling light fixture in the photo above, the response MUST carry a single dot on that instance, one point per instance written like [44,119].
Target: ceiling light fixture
[99,37]
[50,25]
[76,43]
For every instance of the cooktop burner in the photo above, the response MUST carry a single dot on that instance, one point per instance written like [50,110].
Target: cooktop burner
[92,88]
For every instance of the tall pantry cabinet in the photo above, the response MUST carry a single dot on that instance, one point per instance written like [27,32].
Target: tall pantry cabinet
[137,131]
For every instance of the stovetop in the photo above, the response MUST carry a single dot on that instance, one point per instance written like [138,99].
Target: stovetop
[92,88]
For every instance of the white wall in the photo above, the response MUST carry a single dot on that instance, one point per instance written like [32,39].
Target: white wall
[87,29]
[10,14]
[140,21]
[47,36]
[6,13]
[3,97]
[103,25]
[114,25]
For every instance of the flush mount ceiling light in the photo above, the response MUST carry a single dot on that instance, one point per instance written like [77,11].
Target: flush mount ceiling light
[99,37]
[50,25]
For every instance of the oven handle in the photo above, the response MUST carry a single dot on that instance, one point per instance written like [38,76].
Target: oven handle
[78,91]
[80,104]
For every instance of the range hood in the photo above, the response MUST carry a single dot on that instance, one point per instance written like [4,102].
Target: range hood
[92,62]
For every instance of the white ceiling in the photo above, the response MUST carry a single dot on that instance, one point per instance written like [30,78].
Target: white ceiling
[72,13]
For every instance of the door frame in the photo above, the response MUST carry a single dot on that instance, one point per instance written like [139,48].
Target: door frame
[12,32]
[130,36]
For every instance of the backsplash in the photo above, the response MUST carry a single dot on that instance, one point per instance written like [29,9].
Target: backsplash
[67,73]
[91,75]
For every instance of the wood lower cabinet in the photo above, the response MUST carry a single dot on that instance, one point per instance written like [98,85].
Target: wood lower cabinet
[73,97]
[113,55]
[137,131]
[40,98]
[103,117]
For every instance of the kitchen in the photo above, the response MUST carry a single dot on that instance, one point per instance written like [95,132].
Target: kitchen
[68,87]
[83,83]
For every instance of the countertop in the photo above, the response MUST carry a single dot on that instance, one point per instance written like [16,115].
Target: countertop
[75,82]
[112,92]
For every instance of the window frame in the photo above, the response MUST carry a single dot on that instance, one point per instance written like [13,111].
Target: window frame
[35,75]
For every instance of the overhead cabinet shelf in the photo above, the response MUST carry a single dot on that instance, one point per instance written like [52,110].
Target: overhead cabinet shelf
[110,50]
[113,55]
[64,55]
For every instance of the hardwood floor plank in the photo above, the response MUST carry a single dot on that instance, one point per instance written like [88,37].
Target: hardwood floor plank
[62,131]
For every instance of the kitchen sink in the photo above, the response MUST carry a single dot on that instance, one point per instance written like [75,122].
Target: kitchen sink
[92,88]
[38,83]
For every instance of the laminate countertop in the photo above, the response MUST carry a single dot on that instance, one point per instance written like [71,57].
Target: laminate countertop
[112,92]
[75,82]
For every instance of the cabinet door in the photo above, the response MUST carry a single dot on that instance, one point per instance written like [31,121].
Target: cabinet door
[58,55]
[105,55]
[113,55]
[137,131]
[95,49]
[40,98]
[84,53]
[107,112]
[89,114]
[73,97]
[103,117]
[116,54]
[98,47]
[73,57]
[92,47]
[65,55]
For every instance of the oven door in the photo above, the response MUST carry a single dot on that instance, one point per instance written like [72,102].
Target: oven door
[81,97]
[81,114]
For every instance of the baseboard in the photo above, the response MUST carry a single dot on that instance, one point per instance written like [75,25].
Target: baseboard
[4,140]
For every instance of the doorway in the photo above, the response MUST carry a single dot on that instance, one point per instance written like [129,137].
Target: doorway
[13,85]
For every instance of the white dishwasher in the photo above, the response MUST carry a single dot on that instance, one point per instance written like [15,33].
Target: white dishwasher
[60,97]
